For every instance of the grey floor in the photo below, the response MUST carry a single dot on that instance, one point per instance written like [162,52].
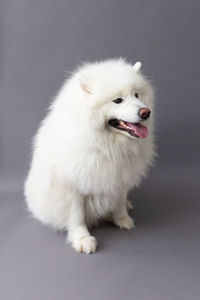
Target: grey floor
[159,260]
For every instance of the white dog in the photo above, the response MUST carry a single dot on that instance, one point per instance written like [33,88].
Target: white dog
[91,149]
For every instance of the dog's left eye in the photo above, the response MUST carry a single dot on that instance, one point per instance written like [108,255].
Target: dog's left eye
[136,95]
[118,100]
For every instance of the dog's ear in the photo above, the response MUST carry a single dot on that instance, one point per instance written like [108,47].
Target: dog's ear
[137,66]
[85,85]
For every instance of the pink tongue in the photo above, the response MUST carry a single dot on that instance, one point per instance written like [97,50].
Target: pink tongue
[140,130]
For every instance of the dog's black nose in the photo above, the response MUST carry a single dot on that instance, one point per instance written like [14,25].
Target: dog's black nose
[144,113]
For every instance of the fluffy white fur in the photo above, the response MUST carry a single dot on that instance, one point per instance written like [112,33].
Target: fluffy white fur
[82,168]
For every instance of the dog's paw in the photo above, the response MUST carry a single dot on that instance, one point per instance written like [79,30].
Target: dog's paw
[86,245]
[129,205]
[125,223]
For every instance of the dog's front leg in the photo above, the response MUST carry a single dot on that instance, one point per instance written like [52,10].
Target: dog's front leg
[78,234]
[120,215]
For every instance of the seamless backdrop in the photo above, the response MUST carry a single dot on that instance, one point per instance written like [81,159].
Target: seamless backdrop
[42,40]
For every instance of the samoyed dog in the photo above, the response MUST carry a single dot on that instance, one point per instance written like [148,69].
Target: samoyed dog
[95,144]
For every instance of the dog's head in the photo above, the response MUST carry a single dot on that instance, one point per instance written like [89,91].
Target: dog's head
[119,98]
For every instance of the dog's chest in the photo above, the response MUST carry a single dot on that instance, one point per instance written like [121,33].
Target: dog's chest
[96,172]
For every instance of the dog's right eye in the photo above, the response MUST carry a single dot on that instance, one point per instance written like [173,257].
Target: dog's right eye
[118,100]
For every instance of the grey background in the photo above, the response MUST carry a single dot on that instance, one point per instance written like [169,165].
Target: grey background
[39,41]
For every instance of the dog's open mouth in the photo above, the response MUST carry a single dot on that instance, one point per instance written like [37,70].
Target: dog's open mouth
[134,129]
